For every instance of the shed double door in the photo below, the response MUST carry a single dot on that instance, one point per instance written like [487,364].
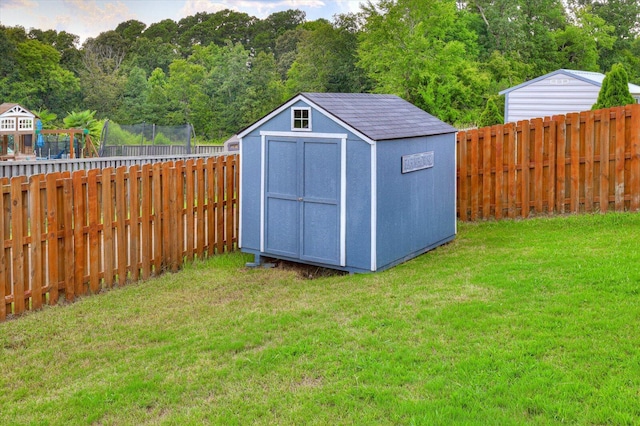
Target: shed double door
[302,197]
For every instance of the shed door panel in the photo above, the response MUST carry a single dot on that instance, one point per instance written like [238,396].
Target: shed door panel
[302,193]
[320,230]
[281,193]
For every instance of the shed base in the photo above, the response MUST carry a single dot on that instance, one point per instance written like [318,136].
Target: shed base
[258,261]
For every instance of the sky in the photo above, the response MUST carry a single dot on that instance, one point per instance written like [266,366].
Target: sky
[88,18]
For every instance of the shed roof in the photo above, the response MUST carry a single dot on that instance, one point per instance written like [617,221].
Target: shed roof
[380,117]
[376,116]
[591,77]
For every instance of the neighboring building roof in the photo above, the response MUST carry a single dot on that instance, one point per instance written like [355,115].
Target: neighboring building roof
[376,116]
[594,78]
[6,107]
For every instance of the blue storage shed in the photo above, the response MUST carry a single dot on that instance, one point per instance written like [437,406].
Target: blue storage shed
[356,182]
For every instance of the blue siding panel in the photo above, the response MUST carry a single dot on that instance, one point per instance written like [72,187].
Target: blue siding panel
[358,205]
[415,209]
[250,205]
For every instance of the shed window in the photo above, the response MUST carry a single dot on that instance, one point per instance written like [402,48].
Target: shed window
[8,124]
[25,124]
[301,119]
[637,98]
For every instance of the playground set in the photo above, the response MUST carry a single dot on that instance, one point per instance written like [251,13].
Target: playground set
[23,138]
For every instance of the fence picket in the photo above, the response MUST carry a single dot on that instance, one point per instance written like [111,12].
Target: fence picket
[561,144]
[200,182]
[145,219]
[157,219]
[463,187]
[17,239]
[619,159]
[94,240]
[79,215]
[575,162]
[4,271]
[121,225]
[53,239]
[190,209]
[538,143]
[35,207]
[589,141]
[220,204]
[486,172]
[525,167]
[134,222]
[634,179]
[604,161]
[229,203]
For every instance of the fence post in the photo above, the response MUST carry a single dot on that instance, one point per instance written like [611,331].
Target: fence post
[3,270]
[635,157]
[604,160]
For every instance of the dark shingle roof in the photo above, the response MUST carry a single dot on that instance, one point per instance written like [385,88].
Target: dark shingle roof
[380,117]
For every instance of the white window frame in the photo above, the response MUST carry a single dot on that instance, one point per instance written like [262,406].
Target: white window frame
[8,124]
[25,124]
[301,119]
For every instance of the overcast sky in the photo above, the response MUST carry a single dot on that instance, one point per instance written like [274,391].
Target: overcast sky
[88,18]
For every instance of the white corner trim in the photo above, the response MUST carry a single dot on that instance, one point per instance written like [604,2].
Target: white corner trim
[343,202]
[374,207]
[455,182]
[240,191]
[263,178]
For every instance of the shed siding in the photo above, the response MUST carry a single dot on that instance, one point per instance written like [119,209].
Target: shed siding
[557,94]
[250,192]
[358,205]
[423,213]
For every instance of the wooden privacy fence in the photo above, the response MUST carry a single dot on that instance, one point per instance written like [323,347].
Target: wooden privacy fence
[579,162]
[72,234]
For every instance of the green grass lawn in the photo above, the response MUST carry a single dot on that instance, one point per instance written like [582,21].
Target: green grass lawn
[533,322]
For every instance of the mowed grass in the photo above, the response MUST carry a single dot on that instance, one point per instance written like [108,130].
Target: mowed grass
[525,322]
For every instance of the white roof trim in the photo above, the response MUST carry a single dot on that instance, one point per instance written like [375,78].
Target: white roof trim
[578,75]
[17,111]
[321,110]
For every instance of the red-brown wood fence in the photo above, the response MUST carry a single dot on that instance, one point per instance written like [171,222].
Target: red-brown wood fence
[74,234]
[581,162]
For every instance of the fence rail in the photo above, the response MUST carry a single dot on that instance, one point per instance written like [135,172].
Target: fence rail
[9,169]
[158,150]
[579,162]
[72,234]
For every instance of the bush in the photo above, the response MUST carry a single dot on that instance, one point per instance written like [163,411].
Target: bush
[615,89]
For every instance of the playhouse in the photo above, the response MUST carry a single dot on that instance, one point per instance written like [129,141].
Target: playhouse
[355,182]
[17,132]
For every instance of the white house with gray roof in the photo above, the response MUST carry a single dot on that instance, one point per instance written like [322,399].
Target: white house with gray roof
[559,92]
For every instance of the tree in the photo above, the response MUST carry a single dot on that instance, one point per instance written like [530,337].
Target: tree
[615,89]
[326,60]
[423,52]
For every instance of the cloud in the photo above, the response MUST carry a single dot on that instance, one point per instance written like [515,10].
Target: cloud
[97,16]
[16,4]
[257,8]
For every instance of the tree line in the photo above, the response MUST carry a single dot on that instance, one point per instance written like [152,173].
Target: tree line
[222,71]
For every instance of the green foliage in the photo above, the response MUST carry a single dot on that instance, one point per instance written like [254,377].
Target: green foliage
[492,113]
[117,136]
[47,118]
[221,71]
[615,89]
[84,120]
